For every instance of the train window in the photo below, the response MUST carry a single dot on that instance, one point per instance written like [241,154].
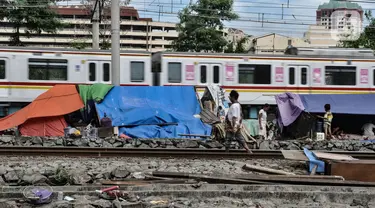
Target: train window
[303,76]
[373,75]
[2,69]
[48,69]
[216,74]
[203,74]
[106,72]
[292,75]
[137,71]
[254,74]
[174,72]
[92,72]
[340,75]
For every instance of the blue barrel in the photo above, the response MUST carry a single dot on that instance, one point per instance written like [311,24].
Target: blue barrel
[319,126]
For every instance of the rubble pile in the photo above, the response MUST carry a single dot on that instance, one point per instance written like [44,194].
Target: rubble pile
[87,201]
[332,145]
[70,171]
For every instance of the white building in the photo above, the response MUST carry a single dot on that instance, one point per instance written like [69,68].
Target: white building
[135,33]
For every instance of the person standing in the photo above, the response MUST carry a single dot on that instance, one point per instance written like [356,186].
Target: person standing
[262,119]
[368,129]
[234,122]
[328,116]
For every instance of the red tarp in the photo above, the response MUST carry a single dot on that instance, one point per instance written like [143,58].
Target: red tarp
[59,100]
[48,126]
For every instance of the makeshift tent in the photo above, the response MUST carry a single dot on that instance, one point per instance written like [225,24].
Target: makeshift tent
[47,126]
[57,101]
[294,109]
[291,105]
[151,111]
[91,94]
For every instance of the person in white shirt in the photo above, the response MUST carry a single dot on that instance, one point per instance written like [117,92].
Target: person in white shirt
[368,129]
[234,122]
[262,118]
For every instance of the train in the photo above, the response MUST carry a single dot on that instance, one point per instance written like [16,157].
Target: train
[25,73]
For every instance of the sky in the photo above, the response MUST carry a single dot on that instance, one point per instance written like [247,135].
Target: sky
[292,21]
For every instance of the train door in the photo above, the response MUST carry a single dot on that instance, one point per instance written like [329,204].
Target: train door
[210,74]
[99,72]
[299,78]
[4,76]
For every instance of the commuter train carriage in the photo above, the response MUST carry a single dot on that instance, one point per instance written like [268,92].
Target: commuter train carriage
[25,73]
[258,78]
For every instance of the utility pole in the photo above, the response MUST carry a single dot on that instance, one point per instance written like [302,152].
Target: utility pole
[95,25]
[262,19]
[115,42]
[282,11]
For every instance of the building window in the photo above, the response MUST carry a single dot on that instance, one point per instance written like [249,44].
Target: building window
[2,69]
[216,74]
[174,72]
[137,71]
[203,74]
[92,72]
[340,75]
[48,69]
[106,72]
[254,74]
[292,75]
[303,76]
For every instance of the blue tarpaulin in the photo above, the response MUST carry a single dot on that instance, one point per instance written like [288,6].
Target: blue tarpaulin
[356,104]
[359,104]
[148,106]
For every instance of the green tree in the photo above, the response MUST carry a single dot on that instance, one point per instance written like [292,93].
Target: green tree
[34,16]
[238,47]
[201,25]
[367,37]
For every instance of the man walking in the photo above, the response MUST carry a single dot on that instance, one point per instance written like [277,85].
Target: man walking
[234,122]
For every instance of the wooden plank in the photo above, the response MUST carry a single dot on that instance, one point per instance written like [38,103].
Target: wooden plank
[330,156]
[350,170]
[294,155]
[207,178]
[263,179]
[265,170]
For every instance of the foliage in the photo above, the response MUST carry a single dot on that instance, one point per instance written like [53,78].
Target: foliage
[367,37]
[105,26]
[201,25]
[33,16]
[238,47]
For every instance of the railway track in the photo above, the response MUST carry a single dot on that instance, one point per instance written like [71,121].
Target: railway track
[157,152]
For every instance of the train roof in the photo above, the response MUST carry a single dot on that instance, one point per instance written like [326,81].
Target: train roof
[69,50]
[322,53]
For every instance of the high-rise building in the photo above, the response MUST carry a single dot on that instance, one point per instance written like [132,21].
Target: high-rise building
[338,12]
[335,20]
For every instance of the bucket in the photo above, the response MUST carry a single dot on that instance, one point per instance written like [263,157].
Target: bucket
[319,126]
[66,132]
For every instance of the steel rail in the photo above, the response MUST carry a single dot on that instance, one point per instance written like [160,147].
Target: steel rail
[155,152]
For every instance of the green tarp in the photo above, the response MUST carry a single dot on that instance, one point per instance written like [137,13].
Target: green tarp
[95,92]
[252,126]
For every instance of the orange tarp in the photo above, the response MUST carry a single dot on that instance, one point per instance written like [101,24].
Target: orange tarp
[57,101]
[47,126]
